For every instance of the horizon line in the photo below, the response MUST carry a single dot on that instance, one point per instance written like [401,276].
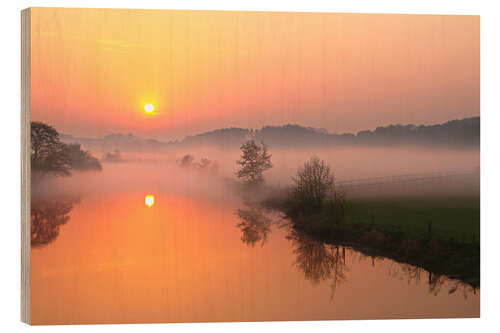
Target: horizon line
[256,129]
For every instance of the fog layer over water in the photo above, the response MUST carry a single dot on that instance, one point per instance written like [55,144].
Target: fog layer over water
[162,171]
[184,258]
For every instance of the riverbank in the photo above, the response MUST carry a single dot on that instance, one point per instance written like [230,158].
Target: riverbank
[439,234]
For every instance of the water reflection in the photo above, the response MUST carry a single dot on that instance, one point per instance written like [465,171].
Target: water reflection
[434,282]
[256,282]
[322,262]
[254,224]
[47,216]
[149,200]
[318,261]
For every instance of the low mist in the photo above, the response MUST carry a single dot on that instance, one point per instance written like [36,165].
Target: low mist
[164,173]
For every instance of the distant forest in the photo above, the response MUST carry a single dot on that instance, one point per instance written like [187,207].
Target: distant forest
[463,133]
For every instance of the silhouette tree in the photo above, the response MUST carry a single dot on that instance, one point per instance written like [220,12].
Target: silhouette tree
[314,189]
[313,183]
[186,161]
[50,155]
[205,164]
[80,159]
[47,151]
[255,159]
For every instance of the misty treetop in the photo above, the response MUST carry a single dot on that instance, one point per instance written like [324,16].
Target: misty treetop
[313,183]
[51,156]
[314,192]
[114,157]
[80,159]
[255,159]
[188,161]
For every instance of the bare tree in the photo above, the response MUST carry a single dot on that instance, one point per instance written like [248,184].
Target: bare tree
[255,159]
[313,183]
[314,189]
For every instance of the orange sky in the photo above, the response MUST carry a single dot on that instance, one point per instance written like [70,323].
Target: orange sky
[93,70]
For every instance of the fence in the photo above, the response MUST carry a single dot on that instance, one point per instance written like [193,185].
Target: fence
[434,177]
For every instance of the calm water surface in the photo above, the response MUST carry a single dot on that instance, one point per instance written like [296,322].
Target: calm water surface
[199,257]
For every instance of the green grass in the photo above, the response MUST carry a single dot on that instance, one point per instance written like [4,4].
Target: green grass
[397,227]
[452,217]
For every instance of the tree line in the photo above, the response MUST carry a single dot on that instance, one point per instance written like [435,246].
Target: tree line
[50,156]
[454,133]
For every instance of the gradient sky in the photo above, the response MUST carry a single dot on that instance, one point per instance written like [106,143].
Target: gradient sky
[93,70]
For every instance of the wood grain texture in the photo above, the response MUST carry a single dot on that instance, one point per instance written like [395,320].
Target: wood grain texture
[25,164]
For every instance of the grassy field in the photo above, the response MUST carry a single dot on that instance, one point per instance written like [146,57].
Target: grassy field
[396,225]
[451,217]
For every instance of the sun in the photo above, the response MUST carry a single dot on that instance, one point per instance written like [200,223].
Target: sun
[149,200]
[149,108]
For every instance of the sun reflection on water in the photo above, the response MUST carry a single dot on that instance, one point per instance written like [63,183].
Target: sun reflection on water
[149,200]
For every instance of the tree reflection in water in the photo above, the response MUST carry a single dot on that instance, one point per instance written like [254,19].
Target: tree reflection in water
[318,261]
[434,282]
[327,262]
[254,224]
[47,216]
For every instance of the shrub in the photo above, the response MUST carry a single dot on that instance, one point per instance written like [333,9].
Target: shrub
[314,191]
